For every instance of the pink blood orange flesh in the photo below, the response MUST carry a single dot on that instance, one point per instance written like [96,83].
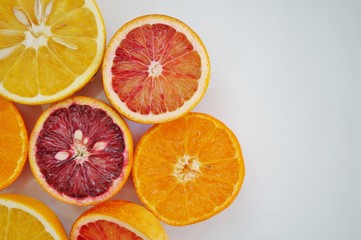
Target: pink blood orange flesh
[117,219]
[155,69]
[159,60]
[81,151]
[105,230]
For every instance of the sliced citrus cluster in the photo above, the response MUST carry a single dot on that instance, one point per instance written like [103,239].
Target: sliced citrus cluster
[188,170]
[117,219]
[48,49]
[81,151]
[24,218]
[155,69]
[13,143]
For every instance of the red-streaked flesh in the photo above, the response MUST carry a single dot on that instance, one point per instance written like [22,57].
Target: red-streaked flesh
[155,69]
[80,151]
[105,230]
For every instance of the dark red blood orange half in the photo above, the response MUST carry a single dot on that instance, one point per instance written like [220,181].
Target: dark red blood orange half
[81,151]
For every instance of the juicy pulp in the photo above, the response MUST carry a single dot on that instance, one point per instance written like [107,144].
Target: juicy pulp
[79,151]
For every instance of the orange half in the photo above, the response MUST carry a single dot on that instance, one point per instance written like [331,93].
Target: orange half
[188,170]
[48,49]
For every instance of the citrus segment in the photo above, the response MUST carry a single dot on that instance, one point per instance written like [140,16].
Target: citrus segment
[52,67]
[13,130]
[189,169]
[81,151]
[24,218]
[48,49]
[155,69]
[117,219]
[75,61]
[63,10]
[9,38]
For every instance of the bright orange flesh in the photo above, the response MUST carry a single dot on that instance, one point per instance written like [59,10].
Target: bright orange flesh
[115,220]
[189,169]
[13,143]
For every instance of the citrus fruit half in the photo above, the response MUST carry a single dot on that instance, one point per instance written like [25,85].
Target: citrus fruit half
[24,218]
[188,170]
[155,69]
[48,49]
[13,143]
[81,151]
[117,219]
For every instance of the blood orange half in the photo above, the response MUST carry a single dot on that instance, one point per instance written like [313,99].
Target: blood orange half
[155,69]
[117,219]
[81,151]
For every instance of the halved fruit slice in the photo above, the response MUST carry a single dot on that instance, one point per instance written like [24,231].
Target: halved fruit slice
[117,219]
[155,69]
[188,170]
[48,48]
[24,218]
[81,151]
[13,143]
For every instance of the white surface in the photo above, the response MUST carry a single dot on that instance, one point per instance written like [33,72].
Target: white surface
[286,77]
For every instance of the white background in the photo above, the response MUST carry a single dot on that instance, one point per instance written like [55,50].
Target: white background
[286,78]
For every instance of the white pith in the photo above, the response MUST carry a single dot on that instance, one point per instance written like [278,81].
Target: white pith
[155,69]
[37,35]
[95,218]
[14,205]
[108,62]
[187,168]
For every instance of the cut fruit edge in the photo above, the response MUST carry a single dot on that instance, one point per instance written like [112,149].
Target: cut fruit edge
[127,152]
[109,55]
[133,217]
[23,155]
[80,81]
[96,217]
[217,209]
[39,210]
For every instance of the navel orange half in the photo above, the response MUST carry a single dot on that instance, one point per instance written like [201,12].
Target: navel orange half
[81,151]
[189,169]
[13,143]
[155,69]
[117,220]
[48,48]
[26,218]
